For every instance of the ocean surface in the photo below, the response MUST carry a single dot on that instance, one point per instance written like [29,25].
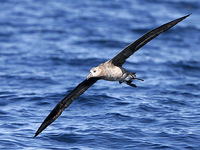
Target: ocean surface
[47,48]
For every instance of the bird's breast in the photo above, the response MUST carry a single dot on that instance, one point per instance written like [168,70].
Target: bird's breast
[112,73]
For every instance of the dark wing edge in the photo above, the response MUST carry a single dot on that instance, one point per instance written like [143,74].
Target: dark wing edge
[62,105]
[120,58]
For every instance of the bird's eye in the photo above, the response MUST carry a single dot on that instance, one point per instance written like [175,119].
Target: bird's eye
[94,71]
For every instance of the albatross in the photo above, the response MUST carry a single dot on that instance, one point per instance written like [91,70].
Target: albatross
[110,70]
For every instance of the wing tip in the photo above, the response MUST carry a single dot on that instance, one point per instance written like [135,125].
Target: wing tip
[36,134]
[186,16]
[38,131]
[44,125]
[174,22]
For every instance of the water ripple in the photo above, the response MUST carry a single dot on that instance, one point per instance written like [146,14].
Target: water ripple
[48,47]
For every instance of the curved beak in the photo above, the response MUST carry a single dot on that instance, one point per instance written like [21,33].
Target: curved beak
[89,76]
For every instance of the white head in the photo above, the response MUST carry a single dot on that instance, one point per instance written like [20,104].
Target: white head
[95,72]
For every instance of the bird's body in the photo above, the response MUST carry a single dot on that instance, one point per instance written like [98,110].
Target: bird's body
[111,70]
[108,71]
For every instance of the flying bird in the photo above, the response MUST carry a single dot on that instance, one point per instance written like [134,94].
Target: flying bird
[110,70]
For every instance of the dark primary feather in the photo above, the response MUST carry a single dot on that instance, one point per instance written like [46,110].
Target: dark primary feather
[120,58]
[60,107]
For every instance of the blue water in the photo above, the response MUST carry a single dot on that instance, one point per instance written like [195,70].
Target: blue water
[48,47]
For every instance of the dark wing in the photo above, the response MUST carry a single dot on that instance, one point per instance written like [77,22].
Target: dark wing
[60,107]
[120,58]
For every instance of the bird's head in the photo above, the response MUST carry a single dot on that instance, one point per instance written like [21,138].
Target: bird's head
[95,72]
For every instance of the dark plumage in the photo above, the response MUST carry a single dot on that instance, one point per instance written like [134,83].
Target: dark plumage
[111,70]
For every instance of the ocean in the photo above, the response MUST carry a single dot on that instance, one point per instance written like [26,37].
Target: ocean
[48,47]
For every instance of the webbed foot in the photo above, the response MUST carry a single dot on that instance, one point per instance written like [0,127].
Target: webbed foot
[133,75]
[120,82]
[139,79]
[131,84]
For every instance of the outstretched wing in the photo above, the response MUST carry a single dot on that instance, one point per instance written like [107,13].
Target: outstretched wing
[120,58]
[60,107]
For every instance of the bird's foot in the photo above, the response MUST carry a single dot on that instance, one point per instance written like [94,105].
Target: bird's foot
[139,79]
[133,75]
[128,78]
[131,84]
